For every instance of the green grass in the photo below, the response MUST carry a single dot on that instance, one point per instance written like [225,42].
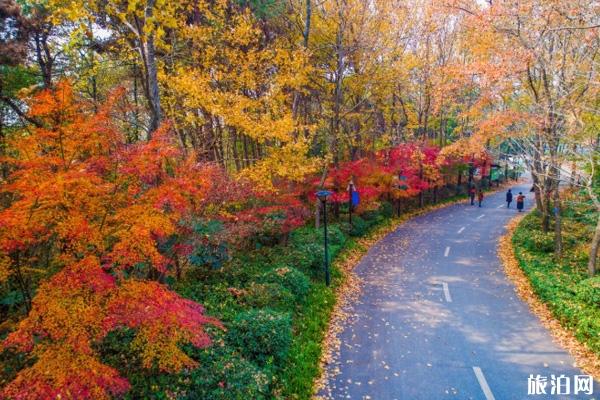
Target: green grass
[563,284]
[309,329]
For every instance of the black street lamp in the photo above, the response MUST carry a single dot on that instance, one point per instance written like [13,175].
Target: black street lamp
[322,195]
[350,205]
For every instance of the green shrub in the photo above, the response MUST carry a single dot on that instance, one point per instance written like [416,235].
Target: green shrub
[359,227]
[335,236]
[11,362]
[291,279]
[370,215]
[116,351]
[304,235]
[215,296]
[587,329]
[227,376]
[588,291]
[245,267]
[308,256]
[537,241]
[268,294]
[386,210]
[209,250]
[308,241]
[221,374]
[263,336]
[372,218]
[269,230]
[530,223]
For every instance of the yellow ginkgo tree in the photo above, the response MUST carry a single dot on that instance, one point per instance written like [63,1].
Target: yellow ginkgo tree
[231,97]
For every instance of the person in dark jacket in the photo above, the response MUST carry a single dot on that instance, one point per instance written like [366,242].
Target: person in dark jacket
[520,201]
[509,198]
[472,195]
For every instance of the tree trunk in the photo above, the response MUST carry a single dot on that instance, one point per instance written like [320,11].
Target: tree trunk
[153,91]
[545,212]
[595,245]
[557,223]
[536,191]
[147,52]
[136,111]
[421,194]
[236,157]
[338,91]
[23,284]
[43,55]
[305,34]
[247,161]
[594,249]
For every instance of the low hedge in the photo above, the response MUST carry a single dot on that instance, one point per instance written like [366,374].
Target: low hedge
[291,279]
[263,336]
[588,291]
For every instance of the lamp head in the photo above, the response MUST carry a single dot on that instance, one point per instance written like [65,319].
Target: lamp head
[323,194]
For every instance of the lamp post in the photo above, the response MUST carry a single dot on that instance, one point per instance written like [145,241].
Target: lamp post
[350,205]
[322,195]
[401,185]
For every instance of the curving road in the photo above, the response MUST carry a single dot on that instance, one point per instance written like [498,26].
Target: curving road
[438,319]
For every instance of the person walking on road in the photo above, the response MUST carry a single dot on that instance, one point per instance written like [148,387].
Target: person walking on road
[472,195]
[520,201]
[480,197]
[509,198]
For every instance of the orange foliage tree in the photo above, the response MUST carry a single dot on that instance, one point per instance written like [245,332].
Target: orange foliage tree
[98,211]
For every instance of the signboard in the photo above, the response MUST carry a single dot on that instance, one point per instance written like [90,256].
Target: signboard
[355,198]
[495,175]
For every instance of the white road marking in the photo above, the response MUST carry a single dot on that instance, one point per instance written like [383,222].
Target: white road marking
[483,383]
[447,292]
[461,229]
[501,205]
[447,251]
[481,216]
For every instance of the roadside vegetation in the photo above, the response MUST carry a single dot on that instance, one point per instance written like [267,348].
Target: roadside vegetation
[277,307]
[564,283]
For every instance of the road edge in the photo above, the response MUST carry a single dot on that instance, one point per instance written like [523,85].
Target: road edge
[585,359]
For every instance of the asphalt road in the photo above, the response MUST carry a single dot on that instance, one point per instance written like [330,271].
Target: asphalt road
[438,319]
